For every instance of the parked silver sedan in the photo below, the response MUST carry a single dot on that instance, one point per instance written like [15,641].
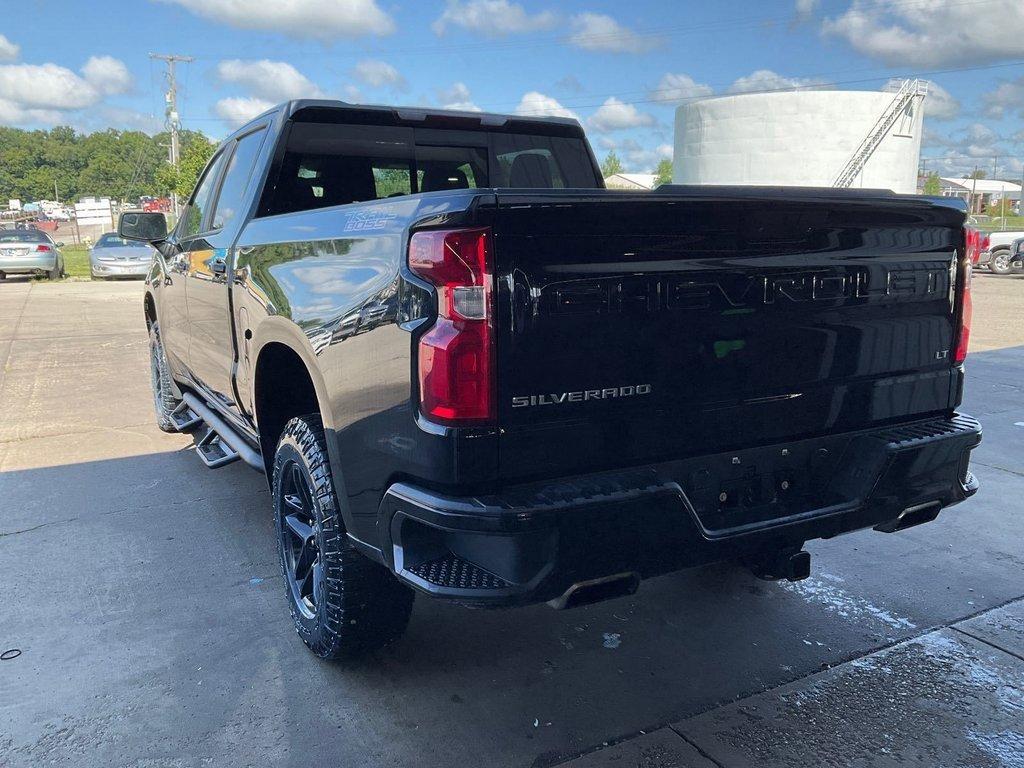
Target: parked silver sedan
[30,252]
[112,256]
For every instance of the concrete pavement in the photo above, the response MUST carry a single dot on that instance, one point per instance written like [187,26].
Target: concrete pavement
[143,591]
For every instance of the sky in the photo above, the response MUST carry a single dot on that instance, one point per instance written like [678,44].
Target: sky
[621,68]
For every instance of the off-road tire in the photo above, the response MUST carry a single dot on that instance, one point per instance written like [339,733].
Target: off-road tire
[164,401]
[360,606]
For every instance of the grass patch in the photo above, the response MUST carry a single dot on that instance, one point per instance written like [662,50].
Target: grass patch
[1013,224]
[76,260]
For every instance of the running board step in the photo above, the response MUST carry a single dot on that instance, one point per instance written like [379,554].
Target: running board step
[221,445]
[184,418]
[214,452]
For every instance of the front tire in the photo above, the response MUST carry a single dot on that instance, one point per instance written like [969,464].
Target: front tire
[342,603]
[999,264]
[164,400]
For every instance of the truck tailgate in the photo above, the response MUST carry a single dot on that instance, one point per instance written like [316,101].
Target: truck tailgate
[644,327]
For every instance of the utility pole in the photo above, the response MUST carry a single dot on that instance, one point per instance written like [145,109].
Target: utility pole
[171,118]
[974,189]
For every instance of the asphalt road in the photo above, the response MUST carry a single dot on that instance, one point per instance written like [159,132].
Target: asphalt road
[143,592]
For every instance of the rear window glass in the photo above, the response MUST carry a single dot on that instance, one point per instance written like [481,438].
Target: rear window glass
[325,164]
[551,162]
[23,236]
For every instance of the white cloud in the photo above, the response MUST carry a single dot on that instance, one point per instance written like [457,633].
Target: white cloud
[45,86]
[679,87]
[939,104]
[1006,99]
[614,115]
[44,93]
[598,32]
[457,97]
[312,19]
[238,110]
[805,8]
[379,73]
[8,50]
[536,104]
[932,32]
[766,80]
[492,18]
[272,81]
[107,75]
[637,157]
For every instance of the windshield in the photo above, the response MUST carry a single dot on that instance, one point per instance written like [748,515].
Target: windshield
[23,236]
[111,240]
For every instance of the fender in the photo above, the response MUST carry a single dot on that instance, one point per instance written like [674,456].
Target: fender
[281,330]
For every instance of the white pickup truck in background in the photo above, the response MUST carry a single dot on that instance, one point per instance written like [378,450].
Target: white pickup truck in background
[998,256]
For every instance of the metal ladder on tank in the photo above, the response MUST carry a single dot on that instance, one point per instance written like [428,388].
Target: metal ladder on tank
[910,90]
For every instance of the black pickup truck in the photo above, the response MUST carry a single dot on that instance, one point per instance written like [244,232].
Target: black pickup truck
[468,370]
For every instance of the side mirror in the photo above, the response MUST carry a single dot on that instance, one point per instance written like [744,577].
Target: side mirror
[59,244]
[140,225]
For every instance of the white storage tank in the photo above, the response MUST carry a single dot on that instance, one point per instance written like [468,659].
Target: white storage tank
[802,138]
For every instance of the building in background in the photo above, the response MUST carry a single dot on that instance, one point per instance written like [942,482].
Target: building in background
[980,193]
[817,138]
[631,181]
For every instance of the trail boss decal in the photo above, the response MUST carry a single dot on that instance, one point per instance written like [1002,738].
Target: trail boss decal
[582,396]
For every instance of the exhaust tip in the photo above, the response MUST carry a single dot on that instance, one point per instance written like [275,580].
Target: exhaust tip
[785,564]
[597,590]
[911,516]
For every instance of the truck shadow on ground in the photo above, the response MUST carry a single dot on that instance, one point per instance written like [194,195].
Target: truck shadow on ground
[172,570]
[145,595]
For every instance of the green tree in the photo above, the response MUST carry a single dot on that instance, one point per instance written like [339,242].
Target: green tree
[611,165]
[1000,208]
[932,185]
[664,172]
[195,154]
[118,164]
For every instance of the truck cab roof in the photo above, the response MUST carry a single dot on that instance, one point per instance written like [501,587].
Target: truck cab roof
[334,110]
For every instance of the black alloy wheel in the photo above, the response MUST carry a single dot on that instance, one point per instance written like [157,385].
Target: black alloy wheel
[300,539]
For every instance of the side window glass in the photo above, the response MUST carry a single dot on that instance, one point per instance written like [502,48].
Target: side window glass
[236,178]
[196,211]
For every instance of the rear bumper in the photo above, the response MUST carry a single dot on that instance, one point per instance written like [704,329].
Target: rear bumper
[532,543]
[28,264]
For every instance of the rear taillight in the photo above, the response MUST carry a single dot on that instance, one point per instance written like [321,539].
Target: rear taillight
[42,247]
[972,251]
[456,356]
